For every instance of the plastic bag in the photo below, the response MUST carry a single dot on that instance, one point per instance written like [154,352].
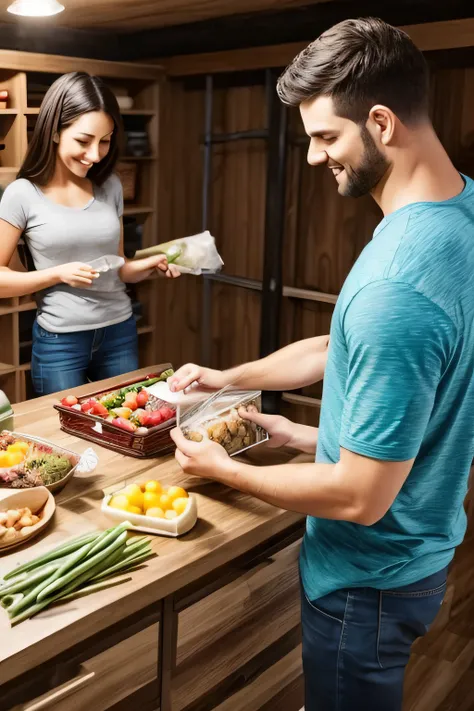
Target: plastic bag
[217,418]
[192,255]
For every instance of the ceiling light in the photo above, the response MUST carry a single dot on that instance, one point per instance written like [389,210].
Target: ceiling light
[35,8]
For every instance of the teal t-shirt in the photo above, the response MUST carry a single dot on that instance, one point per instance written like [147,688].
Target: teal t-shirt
[399,384]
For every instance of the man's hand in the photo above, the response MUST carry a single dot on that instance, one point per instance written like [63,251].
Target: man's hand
[279,428]
[206,378]
[206,459]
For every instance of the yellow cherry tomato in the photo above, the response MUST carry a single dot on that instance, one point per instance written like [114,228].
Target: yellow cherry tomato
[177,492]
[134,509]
[151,501]
[180,505]
[170,514]
[165,502]
[134,495]
[155,512]
[119,501]
[154,487]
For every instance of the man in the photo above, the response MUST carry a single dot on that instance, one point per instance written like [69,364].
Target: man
[396,440]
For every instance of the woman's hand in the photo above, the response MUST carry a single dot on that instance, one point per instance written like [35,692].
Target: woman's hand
[160,263]
[75,274]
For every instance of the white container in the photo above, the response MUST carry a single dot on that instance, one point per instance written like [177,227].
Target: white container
[149,524]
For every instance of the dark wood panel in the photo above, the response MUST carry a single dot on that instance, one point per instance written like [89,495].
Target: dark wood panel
[235,325]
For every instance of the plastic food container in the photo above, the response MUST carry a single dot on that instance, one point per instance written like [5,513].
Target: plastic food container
[218,419]
[148,524]
[50,448]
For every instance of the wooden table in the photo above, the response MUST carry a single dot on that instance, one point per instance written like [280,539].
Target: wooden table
[212,623]
[193,627]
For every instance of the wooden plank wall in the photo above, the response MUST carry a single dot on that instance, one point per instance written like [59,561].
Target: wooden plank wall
[324,233]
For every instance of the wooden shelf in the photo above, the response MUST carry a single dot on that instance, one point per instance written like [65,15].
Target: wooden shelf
[138,112]
[145,329]
[137,210]
[134,158]
[6,368]
[142,82]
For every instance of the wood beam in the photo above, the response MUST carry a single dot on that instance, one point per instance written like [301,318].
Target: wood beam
[33,62]
[432,36]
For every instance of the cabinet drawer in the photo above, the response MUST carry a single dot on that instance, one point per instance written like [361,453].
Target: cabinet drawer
[107,678]
[227,629]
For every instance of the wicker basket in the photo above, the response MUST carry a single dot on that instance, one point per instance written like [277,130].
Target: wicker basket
[127,173]
[156,441]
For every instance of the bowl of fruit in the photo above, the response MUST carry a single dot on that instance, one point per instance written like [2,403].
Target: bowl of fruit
[128,419]
[152,508]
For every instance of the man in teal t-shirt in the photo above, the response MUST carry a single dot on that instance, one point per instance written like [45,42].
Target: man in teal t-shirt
[385,496]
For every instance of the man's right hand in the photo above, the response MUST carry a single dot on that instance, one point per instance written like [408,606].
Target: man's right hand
[205,378]
[75,274]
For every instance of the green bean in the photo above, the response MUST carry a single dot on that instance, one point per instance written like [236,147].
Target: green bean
[60,580]
[127,564]
[70,562]
[30,580]
[38,606]
[108,536]
[10,600]
[61,550]
[87,590]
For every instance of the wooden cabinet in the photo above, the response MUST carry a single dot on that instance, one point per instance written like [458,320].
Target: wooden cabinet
[236,634]
[107,678]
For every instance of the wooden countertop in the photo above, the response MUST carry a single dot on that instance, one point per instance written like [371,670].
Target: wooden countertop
[229,525]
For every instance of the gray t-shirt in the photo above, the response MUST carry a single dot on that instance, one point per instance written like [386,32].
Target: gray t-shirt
[56,234]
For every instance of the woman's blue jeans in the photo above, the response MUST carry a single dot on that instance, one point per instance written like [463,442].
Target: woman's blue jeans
[63,361]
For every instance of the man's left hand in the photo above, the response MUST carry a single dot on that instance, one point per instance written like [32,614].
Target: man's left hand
[206,459]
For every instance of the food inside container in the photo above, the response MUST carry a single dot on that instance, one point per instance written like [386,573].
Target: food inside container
[218,419]
[27,462]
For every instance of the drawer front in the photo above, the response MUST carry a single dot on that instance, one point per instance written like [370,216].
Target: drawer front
[221,633]
[106,679]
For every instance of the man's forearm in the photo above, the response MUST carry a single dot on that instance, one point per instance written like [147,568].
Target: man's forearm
[303,438]
[310,489]
[295,366]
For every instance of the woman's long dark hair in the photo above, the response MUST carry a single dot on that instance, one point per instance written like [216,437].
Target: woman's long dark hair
[71,96]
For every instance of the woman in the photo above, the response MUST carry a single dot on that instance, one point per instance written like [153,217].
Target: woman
[68,204]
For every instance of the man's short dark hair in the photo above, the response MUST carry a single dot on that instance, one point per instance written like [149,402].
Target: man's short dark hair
[360,63]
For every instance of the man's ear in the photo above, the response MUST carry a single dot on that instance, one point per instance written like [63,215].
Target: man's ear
[382,121]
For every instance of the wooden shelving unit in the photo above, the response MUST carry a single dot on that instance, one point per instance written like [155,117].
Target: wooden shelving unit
[19,71]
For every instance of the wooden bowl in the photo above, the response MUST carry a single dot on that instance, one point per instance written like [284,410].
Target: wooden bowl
[36,499]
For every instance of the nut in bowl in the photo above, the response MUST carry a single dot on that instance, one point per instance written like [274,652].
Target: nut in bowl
[24,514]
[152,508]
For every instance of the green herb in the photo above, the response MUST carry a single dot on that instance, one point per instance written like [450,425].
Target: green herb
[51,467]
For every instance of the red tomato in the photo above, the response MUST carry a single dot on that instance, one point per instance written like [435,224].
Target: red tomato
[69,400]
[142,398]
[124,424]
[99,409]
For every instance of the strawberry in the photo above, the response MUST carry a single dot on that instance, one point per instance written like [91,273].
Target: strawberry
[167,413]
[142,398]
[154,418]
[99,410]
[87,405]
[124,424]
[69,400]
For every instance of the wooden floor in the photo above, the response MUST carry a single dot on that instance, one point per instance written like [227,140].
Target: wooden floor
[440,676]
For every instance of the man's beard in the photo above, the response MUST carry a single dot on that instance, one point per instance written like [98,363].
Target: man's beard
[372,168]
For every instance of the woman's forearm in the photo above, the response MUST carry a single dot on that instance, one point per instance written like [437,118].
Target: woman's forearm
[135,271]
[21,283]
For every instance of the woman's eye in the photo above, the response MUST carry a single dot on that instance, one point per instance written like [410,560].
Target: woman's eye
[83,143]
